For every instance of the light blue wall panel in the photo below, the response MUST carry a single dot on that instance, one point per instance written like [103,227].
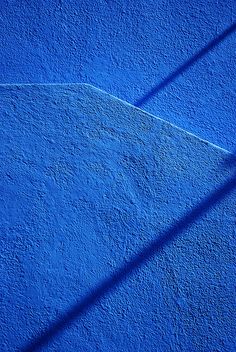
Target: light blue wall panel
[117,228]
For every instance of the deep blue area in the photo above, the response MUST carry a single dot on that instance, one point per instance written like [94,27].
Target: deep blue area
[122,273]
[117,229]
[131,49]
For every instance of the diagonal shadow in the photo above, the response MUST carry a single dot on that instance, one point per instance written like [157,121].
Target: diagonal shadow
[185,66]
[143,256]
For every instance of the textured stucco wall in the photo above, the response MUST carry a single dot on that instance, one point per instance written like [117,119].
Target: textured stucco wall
[127,47]
[93,189]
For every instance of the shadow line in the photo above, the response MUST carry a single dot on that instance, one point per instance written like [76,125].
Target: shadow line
[124,271]
[185,66]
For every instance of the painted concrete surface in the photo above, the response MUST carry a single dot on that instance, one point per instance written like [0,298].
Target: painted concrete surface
[130,48]
[117,228]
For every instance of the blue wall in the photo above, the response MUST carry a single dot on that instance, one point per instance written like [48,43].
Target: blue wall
[117,229]
[129,47]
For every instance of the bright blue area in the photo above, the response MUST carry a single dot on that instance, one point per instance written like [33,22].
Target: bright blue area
[127,48]
[117,229]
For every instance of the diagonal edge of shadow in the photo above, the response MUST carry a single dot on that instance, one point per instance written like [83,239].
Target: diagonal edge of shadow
[143,256]
[186,65]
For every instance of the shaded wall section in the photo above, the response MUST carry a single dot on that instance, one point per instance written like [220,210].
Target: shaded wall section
[128,48]
[117,228]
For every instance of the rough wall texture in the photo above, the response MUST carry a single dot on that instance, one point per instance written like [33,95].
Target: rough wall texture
[93,189]
[128,47]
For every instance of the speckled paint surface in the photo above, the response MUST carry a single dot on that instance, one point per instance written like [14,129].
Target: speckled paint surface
[117,228]
[129,47]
